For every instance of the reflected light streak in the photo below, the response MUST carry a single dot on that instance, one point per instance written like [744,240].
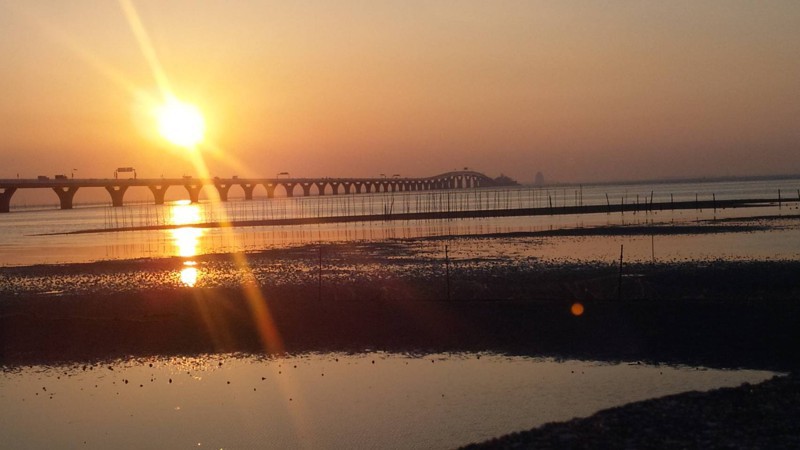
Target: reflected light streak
[187,240]
[184,213]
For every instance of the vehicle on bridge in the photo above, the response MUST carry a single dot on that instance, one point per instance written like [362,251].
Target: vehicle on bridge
[124,170]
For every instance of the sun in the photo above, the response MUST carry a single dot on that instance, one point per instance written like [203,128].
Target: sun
[180,123]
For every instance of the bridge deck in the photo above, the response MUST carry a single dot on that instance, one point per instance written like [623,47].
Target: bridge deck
[66,188]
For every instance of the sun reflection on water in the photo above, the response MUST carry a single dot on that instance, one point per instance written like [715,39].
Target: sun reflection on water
[187,239]
[189,274]
[183,212]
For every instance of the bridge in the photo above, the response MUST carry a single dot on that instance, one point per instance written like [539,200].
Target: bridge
[66,188]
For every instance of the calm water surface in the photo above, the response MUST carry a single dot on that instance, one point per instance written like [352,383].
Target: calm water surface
[373,400]
[336,400]
[26,235]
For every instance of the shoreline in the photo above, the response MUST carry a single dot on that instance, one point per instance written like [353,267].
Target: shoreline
[390,296]
[404,295]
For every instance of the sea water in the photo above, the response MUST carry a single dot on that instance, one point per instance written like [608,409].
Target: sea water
[369,400]
[366,400]
[36,236]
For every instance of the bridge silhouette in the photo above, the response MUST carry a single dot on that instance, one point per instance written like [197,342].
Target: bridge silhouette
[66,188]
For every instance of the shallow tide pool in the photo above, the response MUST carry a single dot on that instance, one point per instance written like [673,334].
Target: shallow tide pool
[369,400]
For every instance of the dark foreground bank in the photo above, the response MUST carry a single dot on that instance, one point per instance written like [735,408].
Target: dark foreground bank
[747,417]
[719,314]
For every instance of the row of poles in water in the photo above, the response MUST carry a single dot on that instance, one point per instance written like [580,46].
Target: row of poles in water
[386,204]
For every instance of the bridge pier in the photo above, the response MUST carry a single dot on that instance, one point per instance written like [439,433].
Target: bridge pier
[158,193]
[65,195]
[223,189]
[271,190]
[306,188]
[290,189]
[5,199]
[335,187]
[248,190]
[116,192]
[194,191]
[320,188]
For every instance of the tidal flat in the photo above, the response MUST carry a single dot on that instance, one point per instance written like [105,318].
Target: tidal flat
[495,296]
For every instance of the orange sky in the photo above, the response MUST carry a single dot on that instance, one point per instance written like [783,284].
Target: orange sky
[580,90]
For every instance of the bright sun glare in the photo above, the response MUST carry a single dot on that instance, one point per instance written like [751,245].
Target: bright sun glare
[180,123]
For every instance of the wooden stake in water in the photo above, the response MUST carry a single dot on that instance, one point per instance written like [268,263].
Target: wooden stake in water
[619,282]
[319,275]
[653,248]
[447,271]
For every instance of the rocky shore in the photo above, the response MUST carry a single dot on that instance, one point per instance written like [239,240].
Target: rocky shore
[762,416]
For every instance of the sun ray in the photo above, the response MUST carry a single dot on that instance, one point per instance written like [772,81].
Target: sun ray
[138,30]
[67,42]
[270,337]
[221,155]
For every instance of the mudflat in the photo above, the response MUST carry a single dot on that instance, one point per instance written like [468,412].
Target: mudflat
[387,296]
[399,296]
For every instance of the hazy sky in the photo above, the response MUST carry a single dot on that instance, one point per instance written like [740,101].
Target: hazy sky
[580,90]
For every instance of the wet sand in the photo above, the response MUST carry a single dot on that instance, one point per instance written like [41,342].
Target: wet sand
[387,297]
